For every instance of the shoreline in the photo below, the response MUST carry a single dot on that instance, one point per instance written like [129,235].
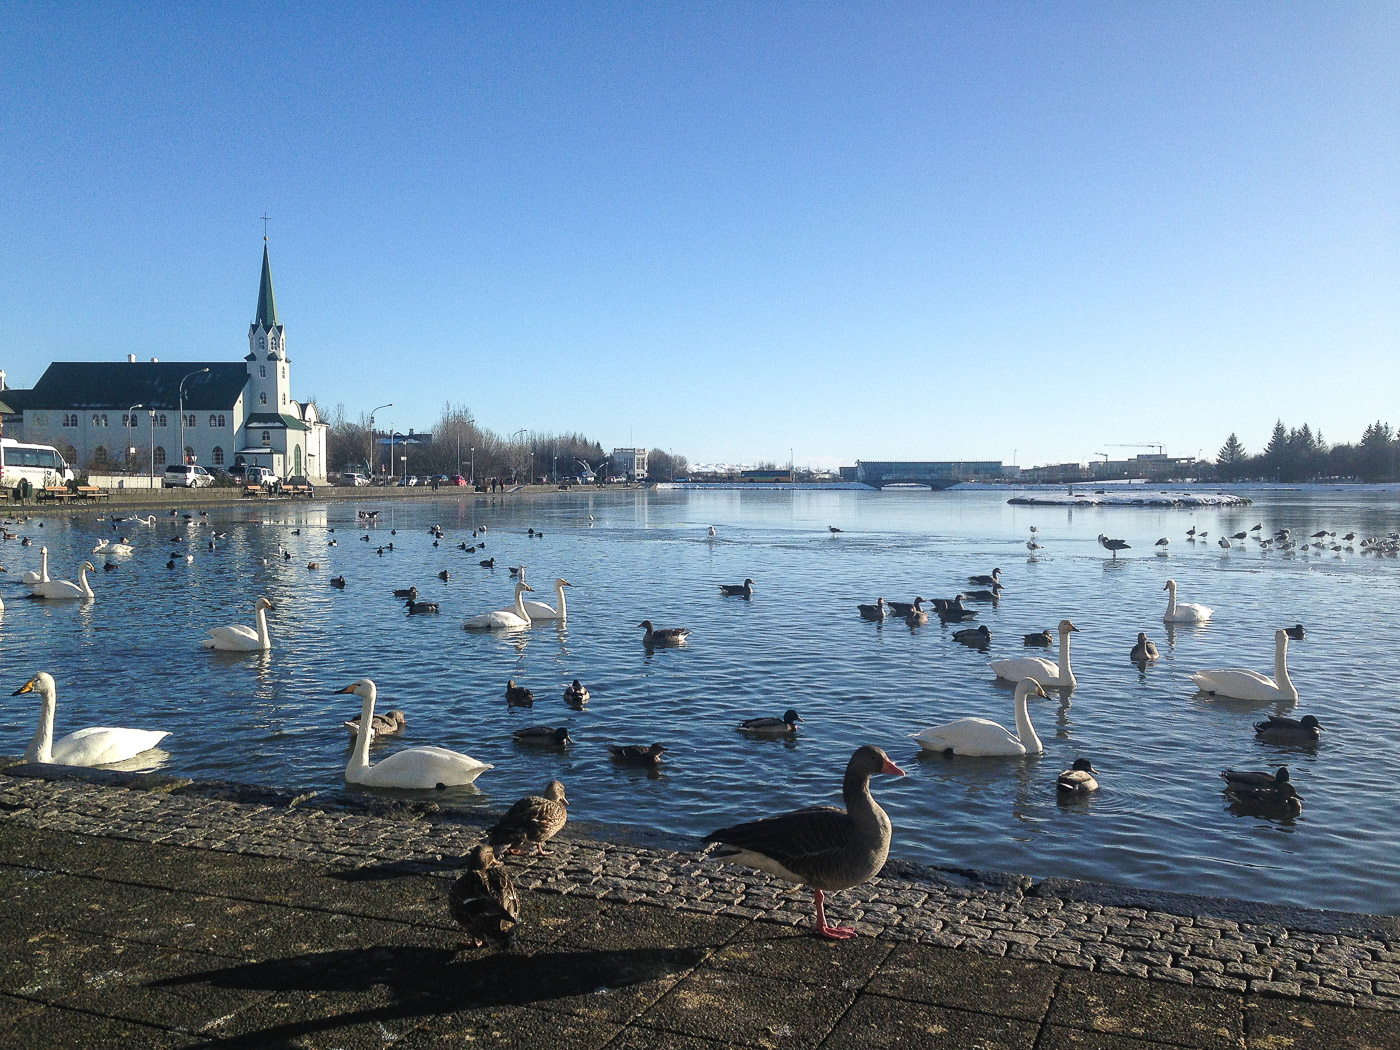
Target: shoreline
[1206,942]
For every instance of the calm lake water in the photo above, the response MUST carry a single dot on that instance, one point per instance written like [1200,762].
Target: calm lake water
[132,657]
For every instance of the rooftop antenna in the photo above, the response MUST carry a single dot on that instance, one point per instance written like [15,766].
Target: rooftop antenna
[265,220]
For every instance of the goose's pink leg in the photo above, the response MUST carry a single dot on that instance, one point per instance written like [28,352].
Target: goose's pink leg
[835,933]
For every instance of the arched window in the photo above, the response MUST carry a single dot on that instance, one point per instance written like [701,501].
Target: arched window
[191,421]
[221,420]
[99,455]
[262,398]
[218,456]
[70,454]
[262,371]
[160,455]
[284,397]
[284,371]
[161,421]
[267,437]
[262,342]
[213,420]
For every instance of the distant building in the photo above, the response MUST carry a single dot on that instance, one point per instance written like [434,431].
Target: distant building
[935,473]
[234,413]
[630,463]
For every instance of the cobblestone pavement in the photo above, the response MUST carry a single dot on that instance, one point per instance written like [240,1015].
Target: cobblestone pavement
[292,921]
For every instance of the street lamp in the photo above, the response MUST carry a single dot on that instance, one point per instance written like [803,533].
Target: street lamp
[130,422]
[404,461]
[370,462]
[473,477]
[198,371]
[153,447]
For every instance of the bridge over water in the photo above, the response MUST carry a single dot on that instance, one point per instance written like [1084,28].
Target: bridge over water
[936,474]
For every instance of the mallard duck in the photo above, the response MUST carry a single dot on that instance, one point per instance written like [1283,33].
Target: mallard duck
[518,695]
[532,819]
[664,635]
[874,612]
[576,694]
[1041,639]
[737,590]
[1282,730]
[338,582]
[444,575]
[543,736]
[1296,632]
[771,726]
[489,563]
[822,847]
[1078,779]
[1144,652]
[421,608]
[1280,801]
[484,902]
[391,724]
[1255,778]
[636,754]
[406,592]
[978,637]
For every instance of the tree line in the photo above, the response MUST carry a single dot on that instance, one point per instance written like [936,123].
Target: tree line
[1304,455]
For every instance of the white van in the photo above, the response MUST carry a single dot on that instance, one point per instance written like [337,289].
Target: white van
[40,465]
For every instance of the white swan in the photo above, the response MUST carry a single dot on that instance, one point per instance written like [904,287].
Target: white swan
[1042,670]
[503,618]
[67,588]
[1186,612]
[1251,685]
[31,577]
[239,638]
[418,768]
[541,611]
[95,746]
[980,737]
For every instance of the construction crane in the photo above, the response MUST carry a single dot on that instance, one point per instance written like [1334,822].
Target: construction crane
[1161,448]
[1103,454]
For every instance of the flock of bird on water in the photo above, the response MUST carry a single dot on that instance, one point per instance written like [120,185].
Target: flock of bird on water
[825,848]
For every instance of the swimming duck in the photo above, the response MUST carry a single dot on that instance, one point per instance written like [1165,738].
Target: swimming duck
[338,582]
[979,637]
[823,847]
[1255,778]
[576,694]
[1039,638]
[489,563]
[406,592]
[416,608]
[874,612]
[518,695]
[1296,632]
[916,616]
[1281,801]
[391,724]
[1144,652]
[484,901]
[771,726]
[664,635]
[1279,729]
[543,736]
[636,754]
[533,819]
[901,609]
[1078,779]
[737,590]
[443,575]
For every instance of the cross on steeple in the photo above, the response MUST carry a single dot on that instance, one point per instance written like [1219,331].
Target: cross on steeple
[265,220]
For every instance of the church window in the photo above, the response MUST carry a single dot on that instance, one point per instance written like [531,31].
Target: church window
[213,420]
[99,455]
[218,456]
[190,421]
[160,455]
[99,419]
[284,371]
[262,398]
[262,342]
[160,422]
[70,419]
[221,420]
[262,371]
[70,453]
[267,437]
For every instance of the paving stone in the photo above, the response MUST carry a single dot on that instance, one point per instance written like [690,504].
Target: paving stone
[876,1021]
[1276,1024]
[942,977]
[744,1008]
[1196,1017]
[1055,1037]
[55,1028]
[785,953]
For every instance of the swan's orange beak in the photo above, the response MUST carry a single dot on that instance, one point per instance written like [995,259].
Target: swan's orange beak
[28,687]
[892,769]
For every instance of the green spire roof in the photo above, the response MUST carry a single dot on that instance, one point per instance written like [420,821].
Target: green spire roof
[267,302]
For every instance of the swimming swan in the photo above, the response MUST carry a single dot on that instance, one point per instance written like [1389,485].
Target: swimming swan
[30,578]
[981,738]
[67,589]
[416,768]
[541,611]
[503,618]
[1044,671]
[1251,685]
[94,746]
[1186,612]
[238,638]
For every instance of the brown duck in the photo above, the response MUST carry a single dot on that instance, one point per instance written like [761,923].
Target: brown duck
[484,902]
[533,819]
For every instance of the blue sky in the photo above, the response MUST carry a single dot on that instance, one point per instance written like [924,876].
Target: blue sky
[855,231]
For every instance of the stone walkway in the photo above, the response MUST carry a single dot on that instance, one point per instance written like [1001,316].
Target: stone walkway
[163,914]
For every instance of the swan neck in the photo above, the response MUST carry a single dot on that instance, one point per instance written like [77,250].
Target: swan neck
[263,639]
[83,584]
[360,758]
[1281,679]
[1029,740]
[1065,674]
[520,604]
[559,590]
[1171,601]
[41,747]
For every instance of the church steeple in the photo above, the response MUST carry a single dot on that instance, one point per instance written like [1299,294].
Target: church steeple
[267,302]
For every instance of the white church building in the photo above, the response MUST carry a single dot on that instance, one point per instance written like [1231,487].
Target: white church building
[97,413]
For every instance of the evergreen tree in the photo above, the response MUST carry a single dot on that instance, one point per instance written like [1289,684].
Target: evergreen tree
[1229,461]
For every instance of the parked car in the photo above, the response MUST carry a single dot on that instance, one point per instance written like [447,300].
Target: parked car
[354,478]
[186,476]
[259,476]
[456,479]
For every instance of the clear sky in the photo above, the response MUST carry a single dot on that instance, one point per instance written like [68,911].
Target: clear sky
[897,230]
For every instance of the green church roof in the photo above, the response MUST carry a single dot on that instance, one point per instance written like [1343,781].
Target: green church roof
[267,302]
[118,385]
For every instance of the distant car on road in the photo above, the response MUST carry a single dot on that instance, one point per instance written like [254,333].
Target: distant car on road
[186,476]
[456,479]
[353,478]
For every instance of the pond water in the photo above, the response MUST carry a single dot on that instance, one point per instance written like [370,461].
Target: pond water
[132,657]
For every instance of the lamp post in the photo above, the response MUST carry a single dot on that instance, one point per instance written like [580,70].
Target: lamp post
[370,462]
[404,461]
[389,468]
[130,421]
[198,371]
[153,447]
[473,477]
[519,434]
